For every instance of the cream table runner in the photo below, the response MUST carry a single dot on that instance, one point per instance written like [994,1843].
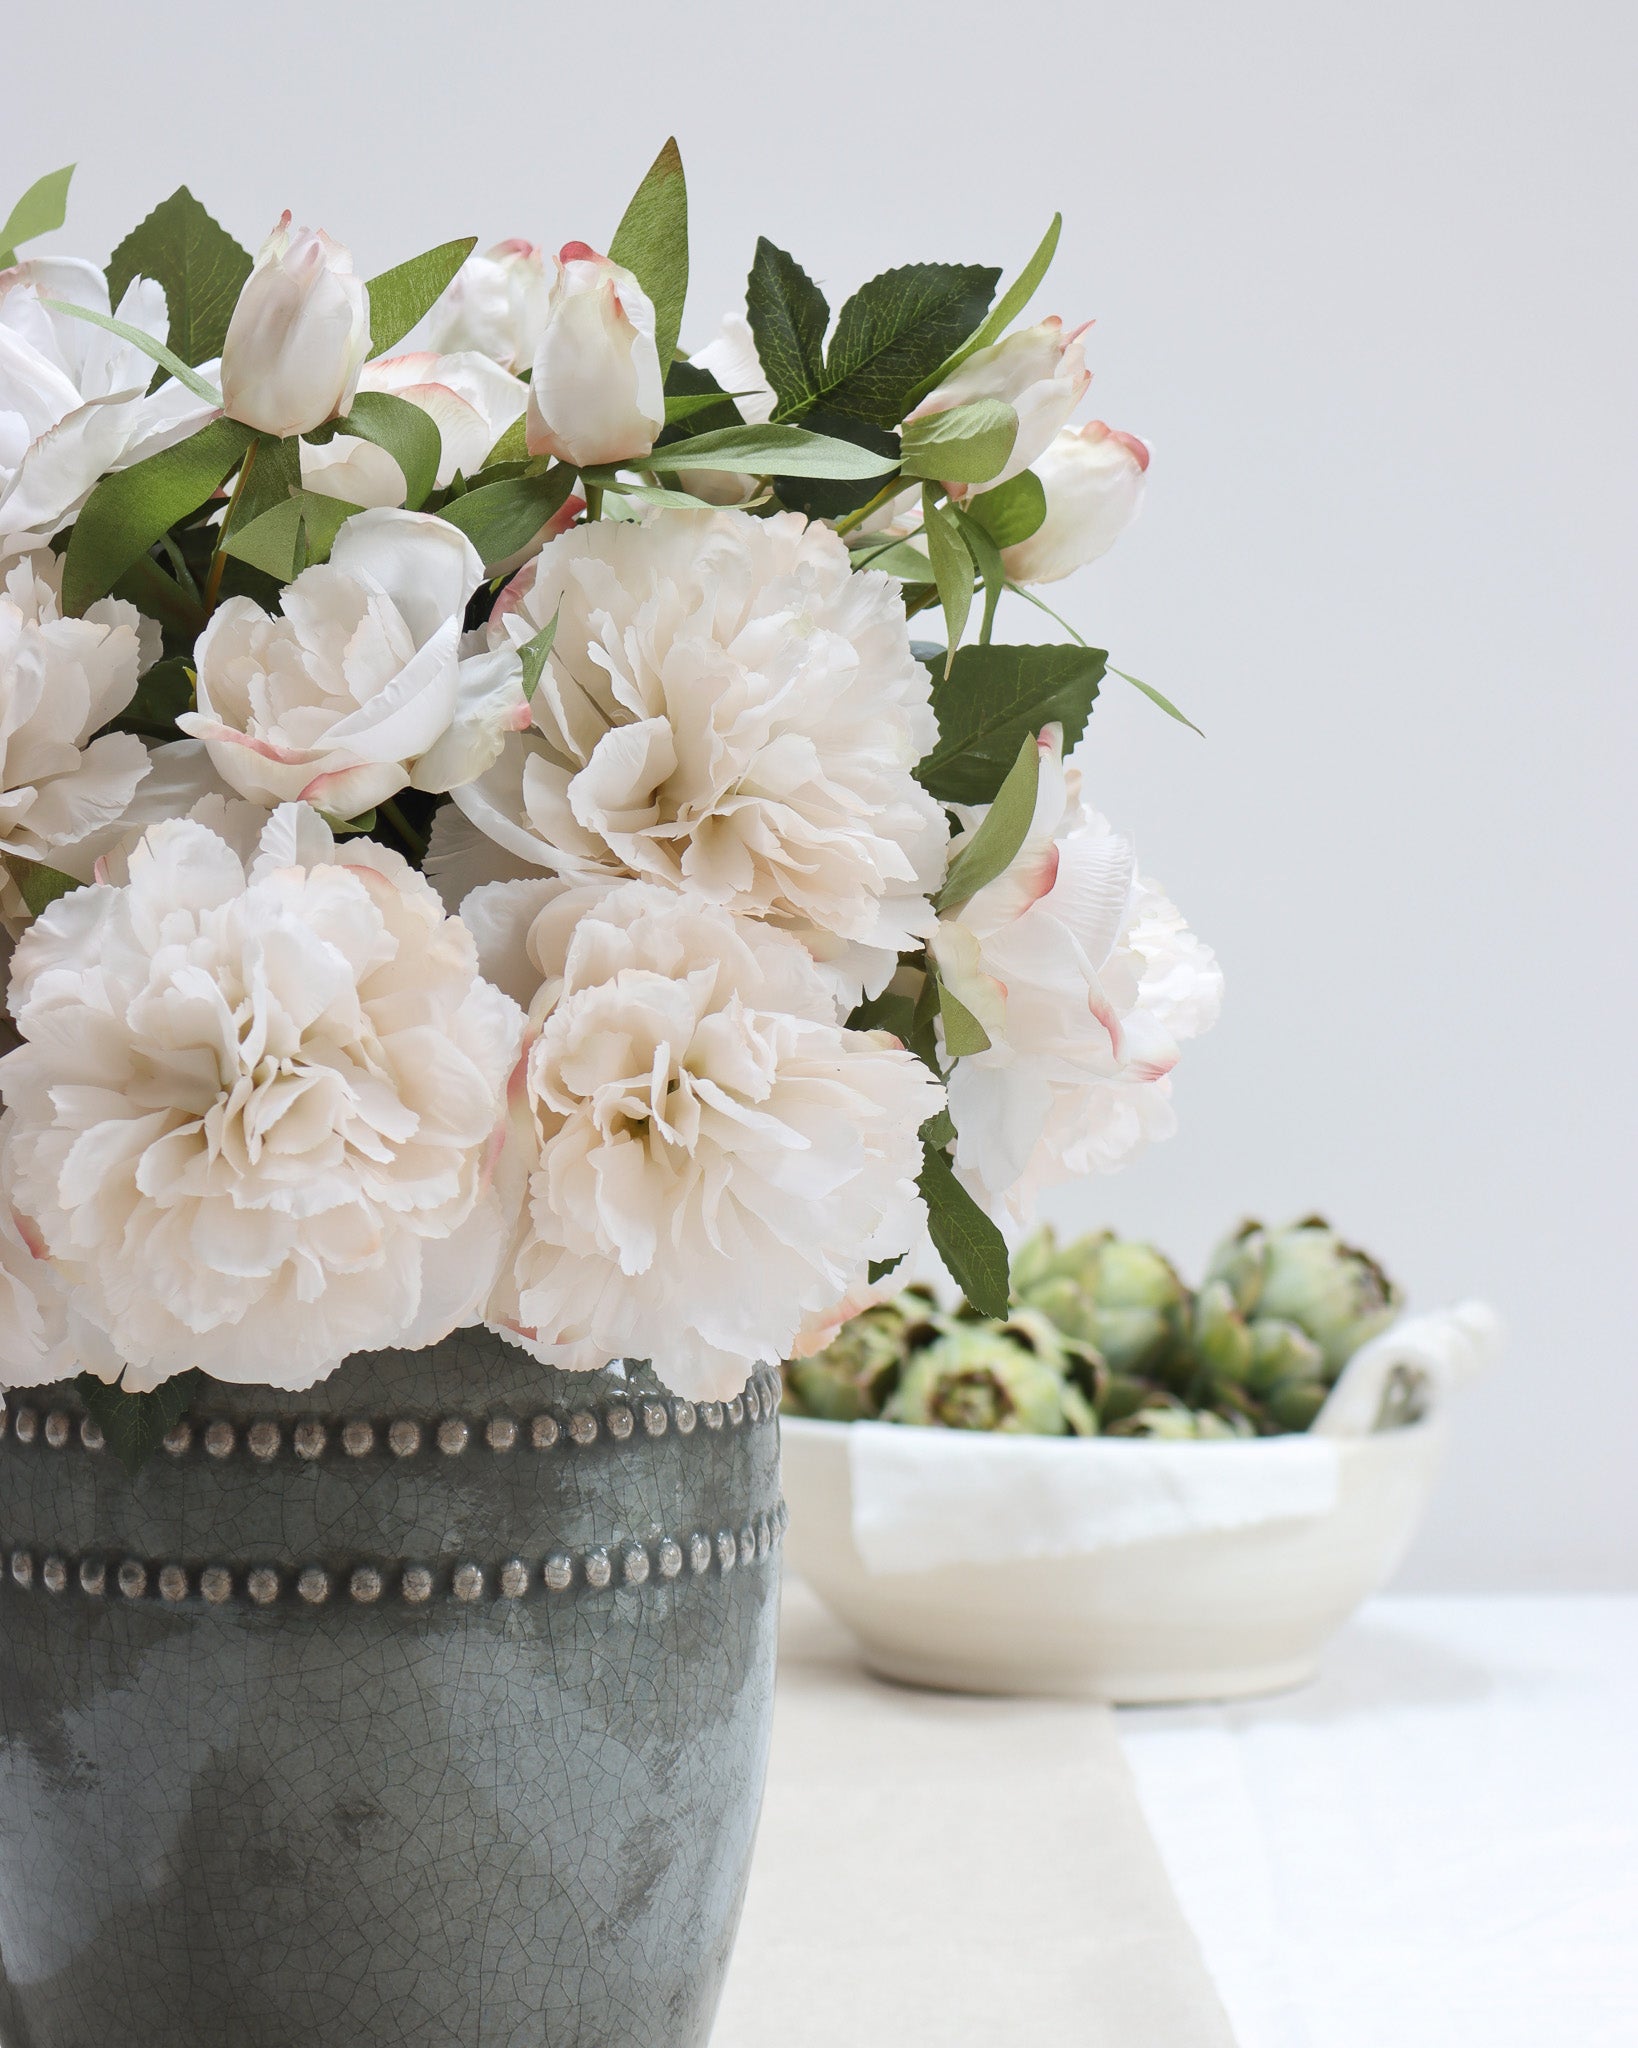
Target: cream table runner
[944,1872]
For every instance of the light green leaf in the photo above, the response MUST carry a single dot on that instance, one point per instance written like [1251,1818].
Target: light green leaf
[895,558]
[966,444]
[652,243]
[40,885]
[770,451]
[964,1237]
[502,518]
[895,329]
[647,494]
[400,296]
[199,264]
[991,701]
[290,536]
[156,351]
[952,568]
[409,436]
[130,509]
[513,445]
[533,654]
[1155,697]
[42,209]
[994,846]
[963,1033]
[990,566]
[1012,511]
[1011,303]
[682,405]
[788,317]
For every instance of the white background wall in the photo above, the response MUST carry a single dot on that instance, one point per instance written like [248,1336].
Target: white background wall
[1365,275]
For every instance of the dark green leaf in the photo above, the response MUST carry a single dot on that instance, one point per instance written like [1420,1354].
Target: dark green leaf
[156,351]
[994,846]
[788,316]
[159,596]
[878,1269]
[896,329]
[291,535]
[952,567]
[200,265]
[409,435]
[962,1031]
[1155,697]
[694,395]
[1012,511]
[966,444]
[163,694]
[939,1131]
[770,450]
[1011,303]
[831,498]
[652,243]
[129,510]
[499,519]
[400,296]
[42,209]
[964,1237]
[685,407]
[135,1425]
[992,700]
[39,885]
[890,1011]
[271,473]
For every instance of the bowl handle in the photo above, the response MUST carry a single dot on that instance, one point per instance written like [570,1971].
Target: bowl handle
[1411,1369]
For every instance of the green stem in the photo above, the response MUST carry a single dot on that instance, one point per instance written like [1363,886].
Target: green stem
[884,496]
[417,842]
[594,499]
[218,560]
[1029,597]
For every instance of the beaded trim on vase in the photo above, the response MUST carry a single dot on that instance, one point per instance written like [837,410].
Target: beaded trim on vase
[644,1415]
[628,1564]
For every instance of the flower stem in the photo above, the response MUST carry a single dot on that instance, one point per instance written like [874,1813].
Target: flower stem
[218,560]
[1029,596]
[883,496]
[417,842]
[594,499]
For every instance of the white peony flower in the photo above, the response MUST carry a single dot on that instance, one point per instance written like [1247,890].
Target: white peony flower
[1087,981]
[254,1110]
[596,390]
[732,359]
[44,1333]
[74,399]
[469,399]
[60,681]
[359,688]
[727,708]
[1093,478]
[711,1160]
[497,305]
[1040,372]
[299,334]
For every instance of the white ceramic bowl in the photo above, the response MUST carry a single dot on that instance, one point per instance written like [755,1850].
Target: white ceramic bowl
[1204,1612]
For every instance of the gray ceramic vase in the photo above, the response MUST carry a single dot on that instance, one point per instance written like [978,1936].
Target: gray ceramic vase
[425,1710]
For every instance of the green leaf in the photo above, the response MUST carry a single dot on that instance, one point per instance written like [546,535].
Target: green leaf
[994,846]
[897,328]
[964,1237]
[788,316]
[513,445]
[895,558]
[822,498]
[769,451]
[1012,511]
[1011,303]
[200,265]
[501,518]
[534,653]
[291,535]
[992,700]
[400,296]
[890,1011]
[159,596]
[694,395]
[270,473]
[966,444]
[652,243]
[683,405]
[990,566]
[878,1269]
[136,1424]
[39,885]
[129,510]
[952,567]
[156,351]
[647,494]
[163,694]
[409,435]
[962,1031]
[42,209]
[1155,697]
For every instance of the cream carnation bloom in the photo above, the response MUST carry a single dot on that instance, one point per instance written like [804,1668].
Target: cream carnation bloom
[727,708]
[360,688]
[710,1160]
[1087,982]
[44,1334]
[252,1116]
[60,681]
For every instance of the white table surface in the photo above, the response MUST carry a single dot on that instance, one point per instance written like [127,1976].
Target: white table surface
[1435,1846]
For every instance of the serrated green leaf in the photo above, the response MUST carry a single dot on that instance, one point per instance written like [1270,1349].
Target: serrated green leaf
[897,328]
[992,700]
[1011,303]
[770,451]
[970,1245]
[42,209]
[501,518]
[952,568]
[963,1033]
[1012,511]
[1155,697]
[135,1425]
[409,435]
[652,243]
[163,694]
[290,536]
[994,846]
[401,296]
[788,317]
[129,510]
[199,264]
[965,444]
[533,654]
[156,351]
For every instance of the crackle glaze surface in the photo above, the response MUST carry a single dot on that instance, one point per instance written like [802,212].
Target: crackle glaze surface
[429,1707]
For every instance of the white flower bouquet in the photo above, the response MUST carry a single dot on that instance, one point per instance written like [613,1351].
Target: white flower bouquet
[478,842]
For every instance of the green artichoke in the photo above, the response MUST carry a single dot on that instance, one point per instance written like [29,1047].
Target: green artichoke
[1120,1297]
[981,1376]
[855,1373]
[1305,1276]
[1177,1423]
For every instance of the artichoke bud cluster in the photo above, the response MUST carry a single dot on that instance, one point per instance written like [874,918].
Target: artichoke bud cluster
[1104,1337]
